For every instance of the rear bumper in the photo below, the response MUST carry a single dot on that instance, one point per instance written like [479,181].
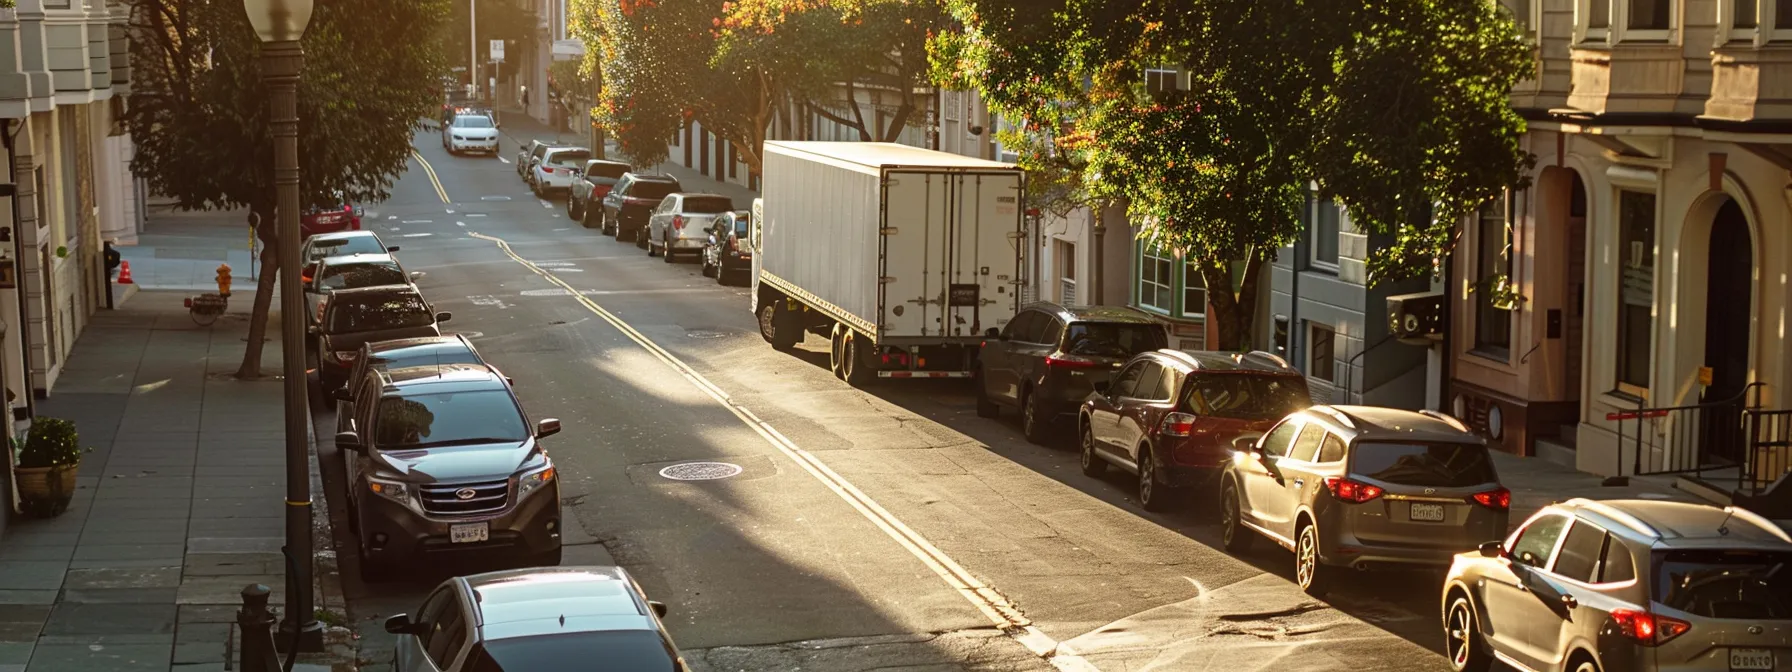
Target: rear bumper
[1339,543]
[688,244]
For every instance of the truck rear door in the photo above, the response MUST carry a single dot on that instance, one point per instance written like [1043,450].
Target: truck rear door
[950,251]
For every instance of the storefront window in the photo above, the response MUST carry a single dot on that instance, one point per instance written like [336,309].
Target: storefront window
[1636,289]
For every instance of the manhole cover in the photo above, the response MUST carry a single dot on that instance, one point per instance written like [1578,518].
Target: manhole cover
[704,333]
[701,471]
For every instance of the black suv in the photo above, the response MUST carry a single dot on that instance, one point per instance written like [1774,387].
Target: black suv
[355,316]
[1049,358]
[592,184]
[397,354]
[447,462]
[626,207]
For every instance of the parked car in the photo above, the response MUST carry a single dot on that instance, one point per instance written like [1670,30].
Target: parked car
[317,247]
[626,207]
[682,222]
[591,185]
[554,171]
[351,272]
[527,155]
[355,316]
[470,133]
[397,354]
[1625,586]
[567,619]
[343,216]
[446,461]
[727,253]
[1363,487]
[1047,360]
[1171,417]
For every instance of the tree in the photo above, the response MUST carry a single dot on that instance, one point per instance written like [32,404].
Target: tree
[198,111]
[650,57]
[1281,93]
[497,21]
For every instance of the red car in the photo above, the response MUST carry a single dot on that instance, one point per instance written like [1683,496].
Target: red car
[344,217]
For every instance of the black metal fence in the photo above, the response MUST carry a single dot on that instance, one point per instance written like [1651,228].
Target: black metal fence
[1720,442]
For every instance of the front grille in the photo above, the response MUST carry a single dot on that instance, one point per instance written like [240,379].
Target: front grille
[446,500]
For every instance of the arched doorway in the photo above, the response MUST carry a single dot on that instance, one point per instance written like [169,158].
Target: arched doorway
[1729,297]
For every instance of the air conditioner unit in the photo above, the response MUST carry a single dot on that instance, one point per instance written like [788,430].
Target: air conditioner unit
[1417,319]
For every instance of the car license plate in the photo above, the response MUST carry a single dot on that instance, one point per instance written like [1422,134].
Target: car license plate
[469,533]
[1751,659]
[1431,513]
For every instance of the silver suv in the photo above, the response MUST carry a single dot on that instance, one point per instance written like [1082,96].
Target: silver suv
[1363,487]
[1625,585]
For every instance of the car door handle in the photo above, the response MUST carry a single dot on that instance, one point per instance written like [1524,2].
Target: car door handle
[1300,482]
[1569,601]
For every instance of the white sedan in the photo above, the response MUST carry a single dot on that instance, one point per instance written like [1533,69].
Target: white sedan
[471,133]
[558,168]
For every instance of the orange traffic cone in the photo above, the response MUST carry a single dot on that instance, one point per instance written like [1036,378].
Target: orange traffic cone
[124,272]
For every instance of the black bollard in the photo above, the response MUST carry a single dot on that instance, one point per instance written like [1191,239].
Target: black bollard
[256,622]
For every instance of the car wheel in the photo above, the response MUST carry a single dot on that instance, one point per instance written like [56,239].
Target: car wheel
[1233,534]
[709,271]
[1153,494]
[616,230]
[1462,637]
[1311,574]
[641,239]
[571,212]
[986,407]
[547,558]
[666,248]
[585,219]
[1033,419]
[1093,465]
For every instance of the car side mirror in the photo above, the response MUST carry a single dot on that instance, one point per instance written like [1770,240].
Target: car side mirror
[1245,444]
[314,330]
[401,624]
[342,394]
[444,316]
[349,441]
[391,248]
[547,427]
[1492,549]
[659,608]
[992,332]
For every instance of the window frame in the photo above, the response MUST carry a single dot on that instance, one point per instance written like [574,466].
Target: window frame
[1483,305]
[1331,369]
[1554,547]
[1621,344]
[1150,256]
[1584,31]
[1299,424]
[1199,310]
[1620,23]
[1313,235]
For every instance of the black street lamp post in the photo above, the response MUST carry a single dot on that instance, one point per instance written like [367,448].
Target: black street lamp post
[280,24]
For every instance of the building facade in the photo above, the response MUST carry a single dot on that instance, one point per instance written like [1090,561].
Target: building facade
[1647,259]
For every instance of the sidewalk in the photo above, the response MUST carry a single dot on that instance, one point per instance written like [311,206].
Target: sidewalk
[520,128]
[182,250]
[180,502]
[1536,483]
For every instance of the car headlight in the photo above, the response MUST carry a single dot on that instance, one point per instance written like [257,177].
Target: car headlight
[393,490]
[534,480]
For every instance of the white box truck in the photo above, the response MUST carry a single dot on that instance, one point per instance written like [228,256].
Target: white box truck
[905,258]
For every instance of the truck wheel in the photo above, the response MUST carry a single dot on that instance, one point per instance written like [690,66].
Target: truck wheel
[779,327]
[859,370]
[837,352]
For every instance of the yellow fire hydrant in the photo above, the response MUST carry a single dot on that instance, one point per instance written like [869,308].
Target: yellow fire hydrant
[224,279]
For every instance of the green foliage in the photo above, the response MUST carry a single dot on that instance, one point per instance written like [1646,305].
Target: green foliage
[497,21]
[653,58]
[51,442]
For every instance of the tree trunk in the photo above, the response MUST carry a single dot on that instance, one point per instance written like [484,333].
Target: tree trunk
[1233,312]
[265,229]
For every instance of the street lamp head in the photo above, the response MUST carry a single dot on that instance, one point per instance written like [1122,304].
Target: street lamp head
[278,20]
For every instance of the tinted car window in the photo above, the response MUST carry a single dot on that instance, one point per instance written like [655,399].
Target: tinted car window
[1151,376]
[1022,326]
[1307,445]
[393,312]
[651,189]
[1580,552]
[707,205]
[350,276]
[570,159]
[1040,329]
[1723,583]
[1128,378]
[1444,465]
[472,121]
[447,635]
[1538,540]
[443,356]
[1242,396]
[606,170]
[642,650]
[1276,443]
[424,420]
[1332,450]
[340,247]
[1111,339]
[1618,566]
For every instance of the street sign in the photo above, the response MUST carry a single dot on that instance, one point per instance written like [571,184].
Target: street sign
[498,50]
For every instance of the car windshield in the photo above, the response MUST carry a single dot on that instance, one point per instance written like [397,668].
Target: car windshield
[350,276]
[336,247]
[570,159]
[1112,339]
[401,311]
[706,205]
[1724,583]
[447,418]
[1438,465]
[653,190]
[472,122]
[605,651]
[415,357]
[1244,396]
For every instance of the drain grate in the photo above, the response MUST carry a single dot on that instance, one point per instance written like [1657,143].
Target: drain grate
[701,471]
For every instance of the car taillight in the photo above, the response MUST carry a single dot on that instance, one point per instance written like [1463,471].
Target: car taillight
[1177,424]
[547,170]
[1351,491]
[1647,629]
[678,222]
[1497,498]
[1068,362]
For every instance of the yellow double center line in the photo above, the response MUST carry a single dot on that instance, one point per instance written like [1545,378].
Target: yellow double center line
[1002,613]
[434,179]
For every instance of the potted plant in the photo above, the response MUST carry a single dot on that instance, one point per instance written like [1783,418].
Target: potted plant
[46,467]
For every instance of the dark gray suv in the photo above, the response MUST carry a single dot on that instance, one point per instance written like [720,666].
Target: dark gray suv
[1048,359]
[446,462]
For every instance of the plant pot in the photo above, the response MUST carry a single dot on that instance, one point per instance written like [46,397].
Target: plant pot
[45,491]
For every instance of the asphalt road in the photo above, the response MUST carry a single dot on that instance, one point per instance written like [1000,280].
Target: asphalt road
[878,529]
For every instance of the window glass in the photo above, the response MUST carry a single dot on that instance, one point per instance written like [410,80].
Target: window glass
[1165,381]
[1241,396]
[1332,450]
[472,121]
[350,276]
[1743,13]
[338,247]
[1194,291]
[1022,326]
[1650,14]
[643,650]
[1052,331]
[1580,552]
[1438,465]
[1128,378]
[1154,280]
[447,633]
[1325,233]
[1618,565]
[1493,324]
[448,418]
[430,612]
[359,314]
[574,158]
[707,205]
[740,226]
[1276,443]
[652,189]
[1110,339]
[1307,445]
[1538,540]
[1782,12]
[1150,377]
[1636,319]
[1599,13]
[1727,584]
[1321,367]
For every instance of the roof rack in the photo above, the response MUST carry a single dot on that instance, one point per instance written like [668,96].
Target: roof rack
[1760,521]
[1266,356]
[1342,417]
[1442,417]
[1621,517]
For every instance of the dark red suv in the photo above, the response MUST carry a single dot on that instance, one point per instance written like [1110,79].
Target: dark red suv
[1170,416]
